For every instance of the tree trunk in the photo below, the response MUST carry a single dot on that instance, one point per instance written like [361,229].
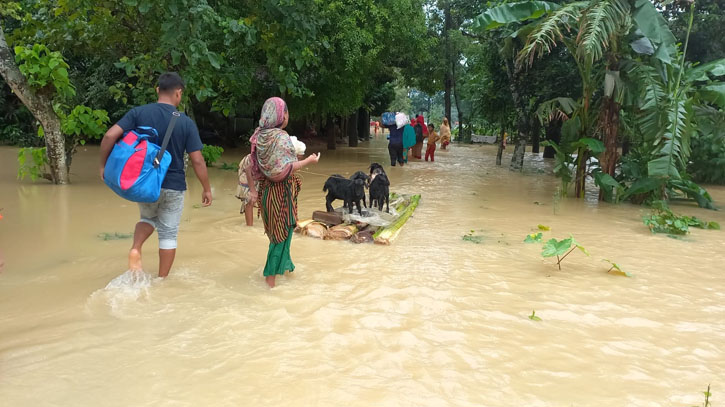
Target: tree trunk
[499,153]
[352,129]
[625,147]
[581,172]
[330,133]
[517,160]
[447,77]
[40,104]
[609,120]
[461,136]
[553,133]
[535,134]
[343,127]
[610,127]
[363,124]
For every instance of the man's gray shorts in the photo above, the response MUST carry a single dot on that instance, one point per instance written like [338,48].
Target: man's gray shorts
[165,216]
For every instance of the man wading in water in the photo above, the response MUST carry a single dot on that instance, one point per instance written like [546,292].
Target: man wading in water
[164,214]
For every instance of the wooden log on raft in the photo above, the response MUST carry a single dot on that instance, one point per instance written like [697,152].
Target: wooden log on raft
[316,230]
[301,225]
[387,234]
[328,218]
[341,232]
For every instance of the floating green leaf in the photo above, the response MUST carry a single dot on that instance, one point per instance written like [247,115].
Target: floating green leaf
[543,227]
[615,269]
[555,247]
[561,249]
[533,316]
[534,238]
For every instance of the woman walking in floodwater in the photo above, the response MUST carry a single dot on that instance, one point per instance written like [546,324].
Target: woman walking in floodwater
[445,133]
[274,164]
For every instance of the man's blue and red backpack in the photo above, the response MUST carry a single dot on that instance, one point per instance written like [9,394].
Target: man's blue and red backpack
[136,166]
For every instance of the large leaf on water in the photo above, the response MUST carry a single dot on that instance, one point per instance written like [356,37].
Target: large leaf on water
[651,23]
[714,93]
[511,13]
[694,191]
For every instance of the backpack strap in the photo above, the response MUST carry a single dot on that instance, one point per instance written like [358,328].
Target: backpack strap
[174,116]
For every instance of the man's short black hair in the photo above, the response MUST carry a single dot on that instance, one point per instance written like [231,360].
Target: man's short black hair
[170,81]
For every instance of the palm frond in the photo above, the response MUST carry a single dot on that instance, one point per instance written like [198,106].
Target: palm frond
[560,108]
[600,23]
[550,31]
[673,143]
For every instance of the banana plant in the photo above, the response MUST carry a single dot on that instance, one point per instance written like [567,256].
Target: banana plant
[593,32]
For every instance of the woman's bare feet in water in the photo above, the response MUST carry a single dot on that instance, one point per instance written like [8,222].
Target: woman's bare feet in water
[270,281]
[134,260]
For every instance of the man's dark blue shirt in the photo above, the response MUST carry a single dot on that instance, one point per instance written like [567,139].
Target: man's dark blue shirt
[185,137]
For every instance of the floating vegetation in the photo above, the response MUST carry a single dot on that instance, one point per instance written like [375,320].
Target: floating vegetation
[471,237]
[534,238]
[663,220]
[114,236]
[229,167]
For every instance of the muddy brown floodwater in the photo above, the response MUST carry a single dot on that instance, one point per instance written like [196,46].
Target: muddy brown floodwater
[431,320]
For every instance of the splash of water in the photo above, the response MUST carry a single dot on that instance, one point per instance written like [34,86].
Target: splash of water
[124,290]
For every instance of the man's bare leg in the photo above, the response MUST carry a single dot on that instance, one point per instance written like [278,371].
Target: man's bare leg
[142,232]
[166,259]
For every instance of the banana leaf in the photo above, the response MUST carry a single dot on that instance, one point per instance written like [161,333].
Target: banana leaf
[651,23]
[699,73]
[611,188]
[511,13]
[387,234]
[694,191]
[714,93]
[642,186]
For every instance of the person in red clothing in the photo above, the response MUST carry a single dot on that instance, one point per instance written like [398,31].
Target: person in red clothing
[432,139]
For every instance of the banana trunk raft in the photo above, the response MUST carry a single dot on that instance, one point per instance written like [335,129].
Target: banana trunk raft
[372,226]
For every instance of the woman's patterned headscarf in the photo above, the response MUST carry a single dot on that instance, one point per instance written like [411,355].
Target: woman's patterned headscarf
[272,149]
